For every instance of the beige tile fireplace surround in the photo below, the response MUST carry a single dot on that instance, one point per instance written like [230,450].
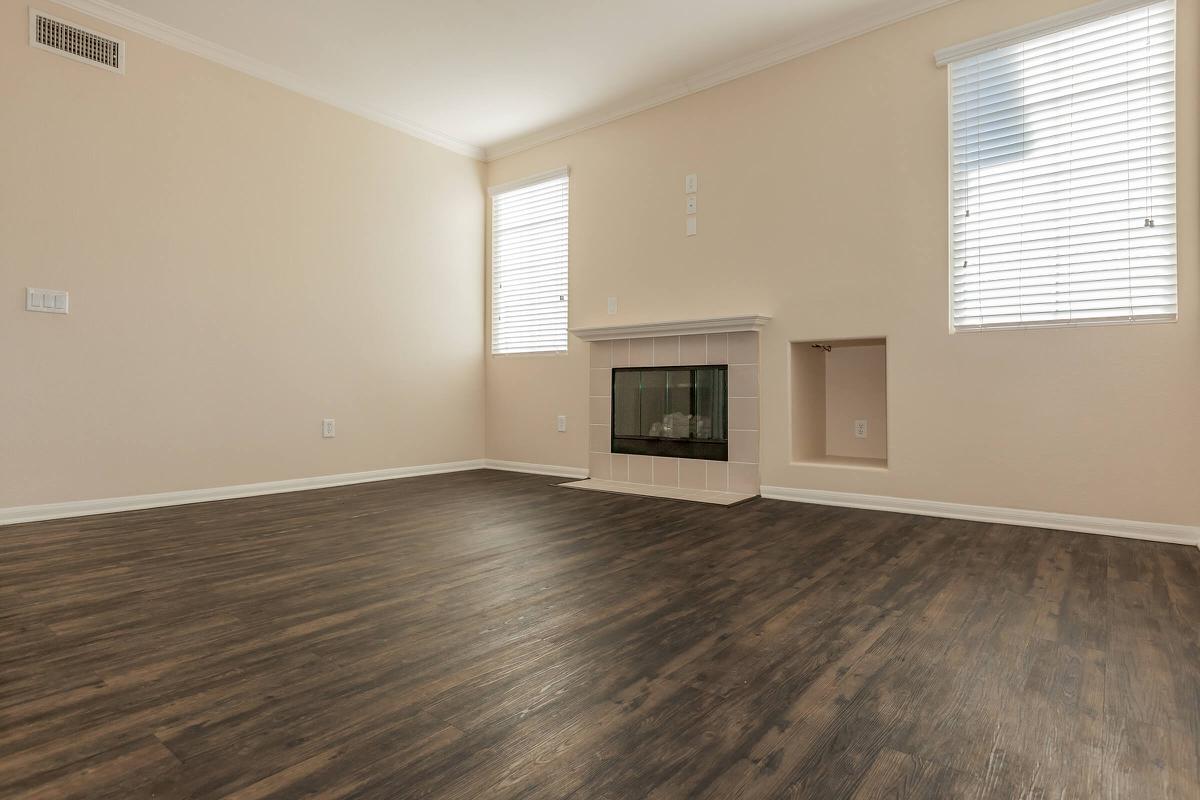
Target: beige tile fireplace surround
[739,349]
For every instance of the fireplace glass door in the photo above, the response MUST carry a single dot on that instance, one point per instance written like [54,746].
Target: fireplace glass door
[670,411]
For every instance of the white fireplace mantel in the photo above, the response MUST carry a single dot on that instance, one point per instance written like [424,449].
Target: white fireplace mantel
[686,327]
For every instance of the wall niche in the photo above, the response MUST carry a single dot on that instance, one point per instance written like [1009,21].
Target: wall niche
[839,402]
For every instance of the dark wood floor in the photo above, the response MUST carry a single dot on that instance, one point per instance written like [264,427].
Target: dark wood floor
[486,635]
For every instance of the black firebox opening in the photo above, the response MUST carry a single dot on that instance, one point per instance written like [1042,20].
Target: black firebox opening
[671,411]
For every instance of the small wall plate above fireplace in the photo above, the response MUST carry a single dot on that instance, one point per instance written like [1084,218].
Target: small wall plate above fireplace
[673,412]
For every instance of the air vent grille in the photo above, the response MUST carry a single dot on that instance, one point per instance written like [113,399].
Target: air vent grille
[50,33]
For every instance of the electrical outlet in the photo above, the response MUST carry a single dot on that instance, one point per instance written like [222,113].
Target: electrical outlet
[327,429]
[562,423]
[860,428]
[691,204]
[612,305]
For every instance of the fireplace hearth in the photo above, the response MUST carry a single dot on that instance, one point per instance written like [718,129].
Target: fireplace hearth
[678,412]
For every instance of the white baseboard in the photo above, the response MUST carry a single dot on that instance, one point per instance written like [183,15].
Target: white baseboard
[1129,529]
[84,508]
[536,469]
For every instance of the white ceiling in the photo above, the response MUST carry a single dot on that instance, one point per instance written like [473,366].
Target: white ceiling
[488,77]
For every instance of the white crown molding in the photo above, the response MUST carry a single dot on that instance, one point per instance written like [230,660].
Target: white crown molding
[674,328]
[181,40]
[1128,529]
[536,469]
[814,40]
[85,508]
[811,42]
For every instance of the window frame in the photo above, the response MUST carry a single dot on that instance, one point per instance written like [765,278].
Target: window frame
[497,191]
[950,56]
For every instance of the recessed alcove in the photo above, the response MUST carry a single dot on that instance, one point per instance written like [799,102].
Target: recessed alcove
[836,387]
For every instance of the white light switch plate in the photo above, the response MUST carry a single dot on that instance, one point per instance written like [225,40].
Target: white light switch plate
[328,428]
[47,301]
[690,183]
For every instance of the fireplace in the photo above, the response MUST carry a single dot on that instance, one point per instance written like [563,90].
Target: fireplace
[678,412]
[630,369]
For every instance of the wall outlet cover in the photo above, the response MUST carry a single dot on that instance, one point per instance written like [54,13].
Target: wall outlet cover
[47,301]
[328,430]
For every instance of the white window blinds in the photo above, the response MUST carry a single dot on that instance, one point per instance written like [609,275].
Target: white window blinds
[1064,176]
[529,265]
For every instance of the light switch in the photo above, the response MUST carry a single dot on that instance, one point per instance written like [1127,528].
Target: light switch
[691,204]
[47,301]
[689,184]
[612,305]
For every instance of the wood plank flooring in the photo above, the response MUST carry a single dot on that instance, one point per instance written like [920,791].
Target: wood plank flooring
[488,635]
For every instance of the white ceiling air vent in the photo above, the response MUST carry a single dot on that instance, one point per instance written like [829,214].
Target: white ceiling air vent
[48,32]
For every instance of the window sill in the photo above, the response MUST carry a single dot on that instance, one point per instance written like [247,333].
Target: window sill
[1037,326]
[531,354]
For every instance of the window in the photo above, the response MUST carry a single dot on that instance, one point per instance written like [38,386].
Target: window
[529,265]
[1063,172]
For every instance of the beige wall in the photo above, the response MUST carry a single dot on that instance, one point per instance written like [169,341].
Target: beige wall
[856,388]
[807,402]
[823,202]
[242,262]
